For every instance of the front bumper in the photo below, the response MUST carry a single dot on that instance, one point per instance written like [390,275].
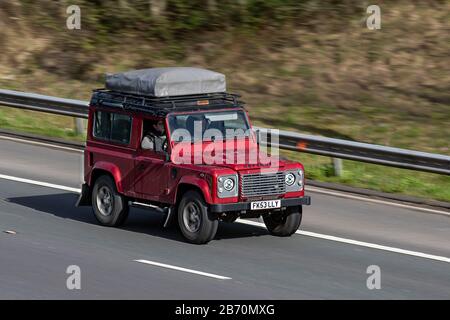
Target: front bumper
[241,206]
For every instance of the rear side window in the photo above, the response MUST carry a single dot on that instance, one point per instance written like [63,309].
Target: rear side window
[112,126]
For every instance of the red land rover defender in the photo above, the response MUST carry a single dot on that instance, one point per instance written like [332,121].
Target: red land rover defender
[173,140]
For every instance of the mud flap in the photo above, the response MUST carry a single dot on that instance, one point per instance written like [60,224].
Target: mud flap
[85,197]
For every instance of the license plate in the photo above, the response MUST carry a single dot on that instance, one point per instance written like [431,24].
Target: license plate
[269,204]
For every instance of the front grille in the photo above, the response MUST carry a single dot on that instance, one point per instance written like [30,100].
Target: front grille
[253,185]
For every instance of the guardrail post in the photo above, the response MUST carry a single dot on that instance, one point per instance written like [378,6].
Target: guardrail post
[79,126]
[337,166]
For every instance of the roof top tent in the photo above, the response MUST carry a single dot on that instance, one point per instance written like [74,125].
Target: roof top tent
[167,82]
[161,90]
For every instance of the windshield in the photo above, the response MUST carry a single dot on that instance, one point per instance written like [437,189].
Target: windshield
[209,126]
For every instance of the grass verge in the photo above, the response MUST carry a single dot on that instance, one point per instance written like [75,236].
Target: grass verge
[39,123]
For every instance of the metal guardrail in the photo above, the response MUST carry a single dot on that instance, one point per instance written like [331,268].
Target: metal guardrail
[336,148]
[42,103]
[363,152]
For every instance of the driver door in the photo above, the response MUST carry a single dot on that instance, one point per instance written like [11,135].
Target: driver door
[152,173]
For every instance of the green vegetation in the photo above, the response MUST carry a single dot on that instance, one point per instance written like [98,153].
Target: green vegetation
[39,123]
[308,66]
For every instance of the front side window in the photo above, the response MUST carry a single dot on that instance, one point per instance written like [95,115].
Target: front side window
[154,135]
[112,126]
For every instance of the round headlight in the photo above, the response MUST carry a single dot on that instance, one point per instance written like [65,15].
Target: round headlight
[228,184]
[289,179]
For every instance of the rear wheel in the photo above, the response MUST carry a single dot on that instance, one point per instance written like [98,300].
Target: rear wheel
[196,223]
[284,224]
[110,207]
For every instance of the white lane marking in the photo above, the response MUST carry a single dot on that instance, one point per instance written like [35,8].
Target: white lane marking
[394,204]
[39,183]
[55,146]
[308,188]
[168,266]
[259,224]
[356,242]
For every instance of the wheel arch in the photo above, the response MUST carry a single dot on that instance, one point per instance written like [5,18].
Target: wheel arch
[185,187]
[190,182]
[109,169]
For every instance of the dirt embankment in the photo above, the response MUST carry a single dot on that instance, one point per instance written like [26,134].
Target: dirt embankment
[318,70]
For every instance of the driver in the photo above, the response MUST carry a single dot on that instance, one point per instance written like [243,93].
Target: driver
[154,138]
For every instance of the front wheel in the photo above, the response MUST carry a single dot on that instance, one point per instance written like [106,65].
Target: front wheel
[284,224]
[196,223]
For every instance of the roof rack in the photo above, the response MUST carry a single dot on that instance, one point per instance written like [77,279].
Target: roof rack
[163,105]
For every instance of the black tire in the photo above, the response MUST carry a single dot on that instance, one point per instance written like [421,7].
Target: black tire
[196,223]
[114,212]
[284,224]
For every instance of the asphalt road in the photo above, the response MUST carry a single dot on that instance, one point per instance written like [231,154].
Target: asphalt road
[51,234]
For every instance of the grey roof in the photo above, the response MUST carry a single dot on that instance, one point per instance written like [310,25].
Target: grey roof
[163,82]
